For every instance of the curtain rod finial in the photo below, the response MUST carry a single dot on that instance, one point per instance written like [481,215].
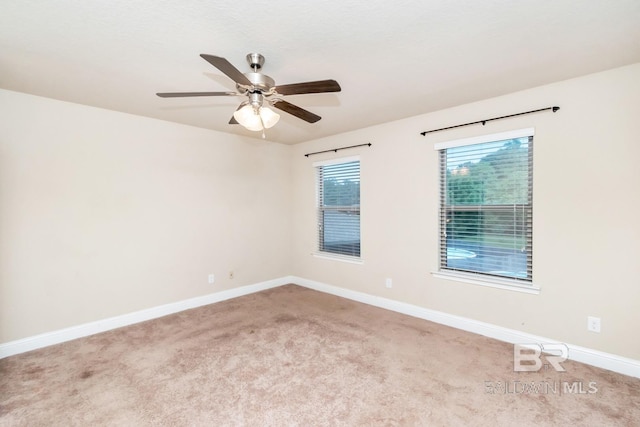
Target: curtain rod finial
[555,109]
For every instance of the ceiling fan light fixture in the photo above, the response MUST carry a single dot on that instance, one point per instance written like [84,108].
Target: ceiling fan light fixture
[269,117]
[248,118]
[256,119]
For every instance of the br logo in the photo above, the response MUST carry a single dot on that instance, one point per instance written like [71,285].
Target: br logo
[528,357]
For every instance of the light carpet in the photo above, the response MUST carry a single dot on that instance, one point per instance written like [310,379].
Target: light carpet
[291,356]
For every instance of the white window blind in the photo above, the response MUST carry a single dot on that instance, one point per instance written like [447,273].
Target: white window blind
[486,206]
[339,207]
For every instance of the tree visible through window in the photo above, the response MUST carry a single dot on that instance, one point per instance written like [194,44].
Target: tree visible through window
[339,208]
[486,208]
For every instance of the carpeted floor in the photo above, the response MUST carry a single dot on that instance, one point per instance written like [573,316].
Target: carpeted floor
[293,356]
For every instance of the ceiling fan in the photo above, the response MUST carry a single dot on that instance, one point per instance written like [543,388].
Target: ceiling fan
[259,89]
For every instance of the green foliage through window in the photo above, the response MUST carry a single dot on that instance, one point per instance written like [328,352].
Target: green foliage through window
[486,208]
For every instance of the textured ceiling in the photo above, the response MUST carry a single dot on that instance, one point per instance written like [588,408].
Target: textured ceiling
[393,59]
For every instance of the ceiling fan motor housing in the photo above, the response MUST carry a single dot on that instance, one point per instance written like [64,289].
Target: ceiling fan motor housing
[260,82]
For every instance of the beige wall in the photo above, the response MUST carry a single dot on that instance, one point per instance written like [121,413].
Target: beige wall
[103,213]
[586,209]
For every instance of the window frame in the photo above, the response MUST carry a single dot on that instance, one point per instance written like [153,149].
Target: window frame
[479,277]
[319,250]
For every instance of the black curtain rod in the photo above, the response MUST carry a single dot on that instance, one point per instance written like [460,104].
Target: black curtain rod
[554,109]
[335,150]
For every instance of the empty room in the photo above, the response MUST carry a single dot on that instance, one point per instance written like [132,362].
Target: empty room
[342,213]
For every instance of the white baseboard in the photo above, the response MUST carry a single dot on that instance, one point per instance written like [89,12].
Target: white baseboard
[588,356]
[56,337]
[592,357]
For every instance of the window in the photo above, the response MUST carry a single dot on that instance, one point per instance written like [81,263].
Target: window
[339,207]
[486,207]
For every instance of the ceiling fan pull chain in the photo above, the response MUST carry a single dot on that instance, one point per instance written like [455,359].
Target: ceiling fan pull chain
[264,136]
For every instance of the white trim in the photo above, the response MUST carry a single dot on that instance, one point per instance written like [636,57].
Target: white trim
[338,257]
[336,161]
[502,136]
[510,285]
[62,335]
[589,356]
[612,362]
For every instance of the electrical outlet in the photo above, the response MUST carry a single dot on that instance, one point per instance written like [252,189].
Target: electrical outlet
[593,324]
[212,278]
[388,283]
[231,274]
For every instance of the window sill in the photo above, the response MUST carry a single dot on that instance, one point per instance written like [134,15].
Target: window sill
[506,284]
[336,257]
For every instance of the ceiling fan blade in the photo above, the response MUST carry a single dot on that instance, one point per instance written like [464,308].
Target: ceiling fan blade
[226,67]
[181,94]
[319,86]
[294,110]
